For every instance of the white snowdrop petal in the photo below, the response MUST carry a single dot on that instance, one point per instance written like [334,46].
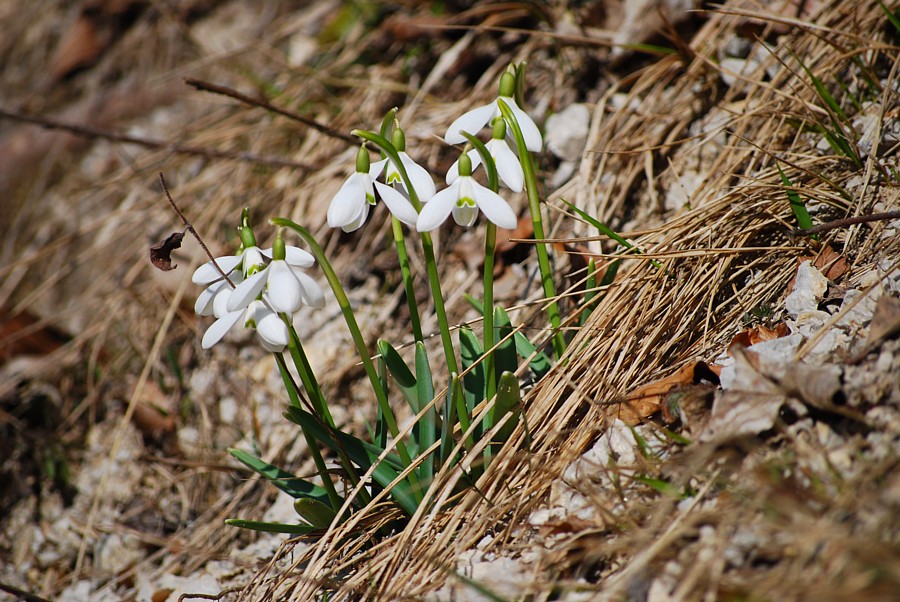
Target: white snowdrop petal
[420,178]
[397,204]
[376,168]
[348,203]
[435,211]
[465,215]
[247,291]
[297,257]
[470,122]
[283,288]
[204,304]
[494,207]
[508,167]
[207,272]
[272,329]
[219,328]
[310,290]
[531,133]
[252,257]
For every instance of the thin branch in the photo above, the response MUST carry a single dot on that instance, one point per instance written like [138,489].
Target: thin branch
[849,221]
[174,147]
[187,224]
[259,102]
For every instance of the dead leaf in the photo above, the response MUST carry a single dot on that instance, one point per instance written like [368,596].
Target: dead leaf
[758,334]
[885,320]
[161,252]
[524,229]
[650,398]
[829,262]
[749,407]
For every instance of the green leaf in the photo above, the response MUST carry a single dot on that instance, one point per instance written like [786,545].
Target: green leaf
[540,364]
[804,221]
[660,485]
[509,401]
[505,354]
[454,393]
[255,525]
[398,368]
[892,16]
[314,512]
[607,231]
[363,454]
[424,430]
[288,483]
[404,378]
[470,352]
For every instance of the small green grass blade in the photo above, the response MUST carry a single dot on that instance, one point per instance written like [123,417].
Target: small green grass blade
[804,221]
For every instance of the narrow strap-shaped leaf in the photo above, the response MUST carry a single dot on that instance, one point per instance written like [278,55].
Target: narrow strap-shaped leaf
[292,485]
[402,375]
[256,525]
[365,455]
[454,394]
[470,352]
[540,364]
[505,354]
[425,428]
[314,512]
[509,401]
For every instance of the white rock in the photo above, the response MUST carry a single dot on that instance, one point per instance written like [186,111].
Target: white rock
[809,287]
[567,131]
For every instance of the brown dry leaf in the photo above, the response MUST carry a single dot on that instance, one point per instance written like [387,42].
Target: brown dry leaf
[524,229]
[161,252]
[758,334]
[98,24]
[749,407]
[832,264]
[648,399]
[885,320]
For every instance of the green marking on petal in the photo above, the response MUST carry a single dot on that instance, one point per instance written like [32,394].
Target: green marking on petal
[370,198]
[465,202]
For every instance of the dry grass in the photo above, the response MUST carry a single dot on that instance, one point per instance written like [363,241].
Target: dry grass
[723,255]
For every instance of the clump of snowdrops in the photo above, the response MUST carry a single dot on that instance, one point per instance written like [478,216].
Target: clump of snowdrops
[263,288]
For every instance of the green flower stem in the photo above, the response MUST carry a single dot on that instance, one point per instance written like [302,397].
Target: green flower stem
[428,249]
[406,273]
[307,376]
[534,207]
[355,332]
[490,241]
[334,498]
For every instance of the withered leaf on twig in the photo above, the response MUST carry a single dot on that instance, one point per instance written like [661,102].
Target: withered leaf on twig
[161,252]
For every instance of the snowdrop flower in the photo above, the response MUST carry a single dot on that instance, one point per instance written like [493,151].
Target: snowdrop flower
[418,175]
[476,119]
[269,326]
[350,206]
[286,285]
[261,284]
[508,166]
[463,198]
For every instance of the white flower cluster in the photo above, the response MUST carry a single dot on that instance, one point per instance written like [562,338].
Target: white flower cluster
[463,197]
[260,290]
